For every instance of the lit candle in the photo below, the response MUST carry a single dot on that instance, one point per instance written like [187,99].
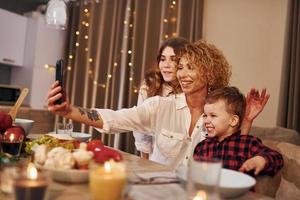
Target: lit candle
[201,195]
[30,186]
[11,137]
[107,181]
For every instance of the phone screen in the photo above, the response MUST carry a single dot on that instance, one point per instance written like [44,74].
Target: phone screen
[59,76]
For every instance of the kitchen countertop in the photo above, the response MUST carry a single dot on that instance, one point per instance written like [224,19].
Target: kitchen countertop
[43,119]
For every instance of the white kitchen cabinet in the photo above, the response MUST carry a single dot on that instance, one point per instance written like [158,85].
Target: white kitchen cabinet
[12,38]
[44,45]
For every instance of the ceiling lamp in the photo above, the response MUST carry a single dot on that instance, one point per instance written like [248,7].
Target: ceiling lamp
[56,14]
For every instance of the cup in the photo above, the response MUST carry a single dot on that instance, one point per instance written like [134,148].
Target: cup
[12,144]
[31,184]
[108,181]
[64,128]
[203,179]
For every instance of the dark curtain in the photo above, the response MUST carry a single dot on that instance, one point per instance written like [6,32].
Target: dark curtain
[110,45]
[289,111]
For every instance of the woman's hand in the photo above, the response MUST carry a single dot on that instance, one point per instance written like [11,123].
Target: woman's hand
[255,103]
[54,94]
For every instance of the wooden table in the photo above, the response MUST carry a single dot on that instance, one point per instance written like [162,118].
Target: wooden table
[60,191]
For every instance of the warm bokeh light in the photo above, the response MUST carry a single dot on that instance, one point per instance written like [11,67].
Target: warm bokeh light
[107,167]
[31,171]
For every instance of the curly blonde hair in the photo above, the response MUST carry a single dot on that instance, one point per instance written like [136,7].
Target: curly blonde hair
[211,63]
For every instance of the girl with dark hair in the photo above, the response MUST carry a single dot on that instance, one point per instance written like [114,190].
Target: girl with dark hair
[159,81]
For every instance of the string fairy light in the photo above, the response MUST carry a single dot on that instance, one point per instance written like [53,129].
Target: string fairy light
[169,21]
[82,39]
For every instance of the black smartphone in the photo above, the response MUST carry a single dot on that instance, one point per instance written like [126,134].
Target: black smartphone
[59,76]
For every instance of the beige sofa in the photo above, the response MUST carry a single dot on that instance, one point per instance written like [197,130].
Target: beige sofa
[286,184]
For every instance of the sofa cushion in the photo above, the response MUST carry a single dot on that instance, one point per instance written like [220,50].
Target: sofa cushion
[277,133]
[286,184]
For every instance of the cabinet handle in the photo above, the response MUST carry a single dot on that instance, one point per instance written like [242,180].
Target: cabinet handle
[8,60]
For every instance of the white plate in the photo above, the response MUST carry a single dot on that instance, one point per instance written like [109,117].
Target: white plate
[69,175]
[234,183]
[60,136]
[83,137]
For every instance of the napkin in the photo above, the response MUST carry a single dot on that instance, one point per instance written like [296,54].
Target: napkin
[147,178]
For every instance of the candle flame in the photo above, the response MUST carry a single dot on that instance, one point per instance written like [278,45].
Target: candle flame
[11,137]
[201,195]
[31,171]
[107,167]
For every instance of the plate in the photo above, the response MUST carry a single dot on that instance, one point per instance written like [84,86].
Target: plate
[69,175]
[234,183]
[82,137]
[60,136]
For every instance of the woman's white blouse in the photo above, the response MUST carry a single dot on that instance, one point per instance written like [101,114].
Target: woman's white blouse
[167,119]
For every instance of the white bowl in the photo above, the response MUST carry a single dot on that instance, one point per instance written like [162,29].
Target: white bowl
[82,137]
[69,175]
[234,183]
[26,124]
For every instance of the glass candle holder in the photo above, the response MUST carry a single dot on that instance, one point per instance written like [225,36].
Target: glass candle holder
[107,181]
[12,144]
[31,184]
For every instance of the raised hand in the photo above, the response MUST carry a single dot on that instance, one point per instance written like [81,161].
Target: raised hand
[257,163]
[255,103]
[54,94]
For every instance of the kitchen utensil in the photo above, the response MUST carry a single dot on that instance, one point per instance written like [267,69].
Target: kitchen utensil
[14,110]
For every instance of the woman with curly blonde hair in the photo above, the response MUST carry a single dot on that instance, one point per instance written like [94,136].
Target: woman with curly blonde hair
[174,122]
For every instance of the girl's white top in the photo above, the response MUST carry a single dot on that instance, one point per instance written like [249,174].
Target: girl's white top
[143,142]
[167,119]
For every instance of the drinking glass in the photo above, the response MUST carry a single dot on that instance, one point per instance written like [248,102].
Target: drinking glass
[64,128]
[203,179]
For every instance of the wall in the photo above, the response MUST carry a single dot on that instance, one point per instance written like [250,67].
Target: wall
[49,48]
[251,35]
[44,45]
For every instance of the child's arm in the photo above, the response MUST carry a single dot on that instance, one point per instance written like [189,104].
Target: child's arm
[272,160]
[257,163]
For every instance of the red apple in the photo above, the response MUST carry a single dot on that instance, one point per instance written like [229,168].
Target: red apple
[5,121]
[17,132]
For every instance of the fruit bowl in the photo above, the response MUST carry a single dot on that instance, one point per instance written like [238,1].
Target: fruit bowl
[82,137]
[26,124]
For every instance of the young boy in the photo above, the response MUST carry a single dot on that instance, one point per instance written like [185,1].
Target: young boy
[223,112]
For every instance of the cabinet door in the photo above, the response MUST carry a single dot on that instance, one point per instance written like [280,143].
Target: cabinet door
[12,38]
